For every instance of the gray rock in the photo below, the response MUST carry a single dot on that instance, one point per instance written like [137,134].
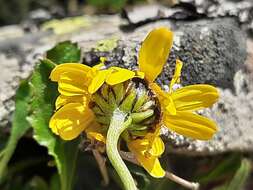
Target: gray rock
[212,52]
[241,9]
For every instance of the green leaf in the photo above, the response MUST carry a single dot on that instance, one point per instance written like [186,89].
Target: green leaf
[37,183]
[114,4]
[140,175]
[240,177]
[225,168]
[35,101]
[54,182]
[19,125]
[144,180]
[44,93]
[65,52]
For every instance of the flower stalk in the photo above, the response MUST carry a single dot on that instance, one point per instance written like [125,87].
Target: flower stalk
[116,127]
[187,184]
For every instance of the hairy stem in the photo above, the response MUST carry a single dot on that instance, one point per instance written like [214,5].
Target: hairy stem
[187,184]
[117,126]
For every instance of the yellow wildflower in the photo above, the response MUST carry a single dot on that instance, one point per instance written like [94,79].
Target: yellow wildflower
[81,85]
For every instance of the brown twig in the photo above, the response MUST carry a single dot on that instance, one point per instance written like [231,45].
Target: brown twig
[187,184]
[102,167]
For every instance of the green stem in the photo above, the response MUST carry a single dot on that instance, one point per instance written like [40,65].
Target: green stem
[8,151]
[117,126]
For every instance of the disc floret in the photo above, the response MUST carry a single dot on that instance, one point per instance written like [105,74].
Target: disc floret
[134,98]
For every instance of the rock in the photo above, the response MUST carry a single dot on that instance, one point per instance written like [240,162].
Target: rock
[192,10]
[213,51]
[242,10]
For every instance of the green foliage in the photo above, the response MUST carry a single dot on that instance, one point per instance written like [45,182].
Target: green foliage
[34,107]
[115,4]
[44,93]
[240,177]
[65,52]
[37,183]
[54,182]
[225,168]
[19,124]
[144,180]
[14,11]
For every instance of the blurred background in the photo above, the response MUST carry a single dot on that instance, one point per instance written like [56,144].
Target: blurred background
[212,37]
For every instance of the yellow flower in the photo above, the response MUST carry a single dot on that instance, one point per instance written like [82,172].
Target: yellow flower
[78,84]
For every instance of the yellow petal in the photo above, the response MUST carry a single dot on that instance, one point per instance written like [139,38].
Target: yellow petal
[97,136]
[190,125]
[95,131]
[195,97]
[154,52]
[177,74]
[99,66]
[72,84]
[158,91]
[68,67]
[164,98]
[139,145]
[169,105]
[156,147]
[140,74]
[150,145]
[70,120]
[119,75]
[98,80]
[62,100]
[150,163]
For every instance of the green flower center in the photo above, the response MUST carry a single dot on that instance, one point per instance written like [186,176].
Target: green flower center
[132,97]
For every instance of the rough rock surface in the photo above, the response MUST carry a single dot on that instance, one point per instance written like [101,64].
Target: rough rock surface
[214,52]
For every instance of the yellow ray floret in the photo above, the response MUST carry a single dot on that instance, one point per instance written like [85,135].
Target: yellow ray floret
[62,100]
[177,107]
[154,52]
[147,154]
[190,125]
[70,120]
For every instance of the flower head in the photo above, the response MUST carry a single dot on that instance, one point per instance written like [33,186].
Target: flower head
[89,96]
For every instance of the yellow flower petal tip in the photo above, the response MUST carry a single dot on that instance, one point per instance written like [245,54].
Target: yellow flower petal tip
[140,74]
[156,171]
[195,97]
[190,125]
[97,136]
[177,74]
[154,52]
[119,75]
[98,80]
